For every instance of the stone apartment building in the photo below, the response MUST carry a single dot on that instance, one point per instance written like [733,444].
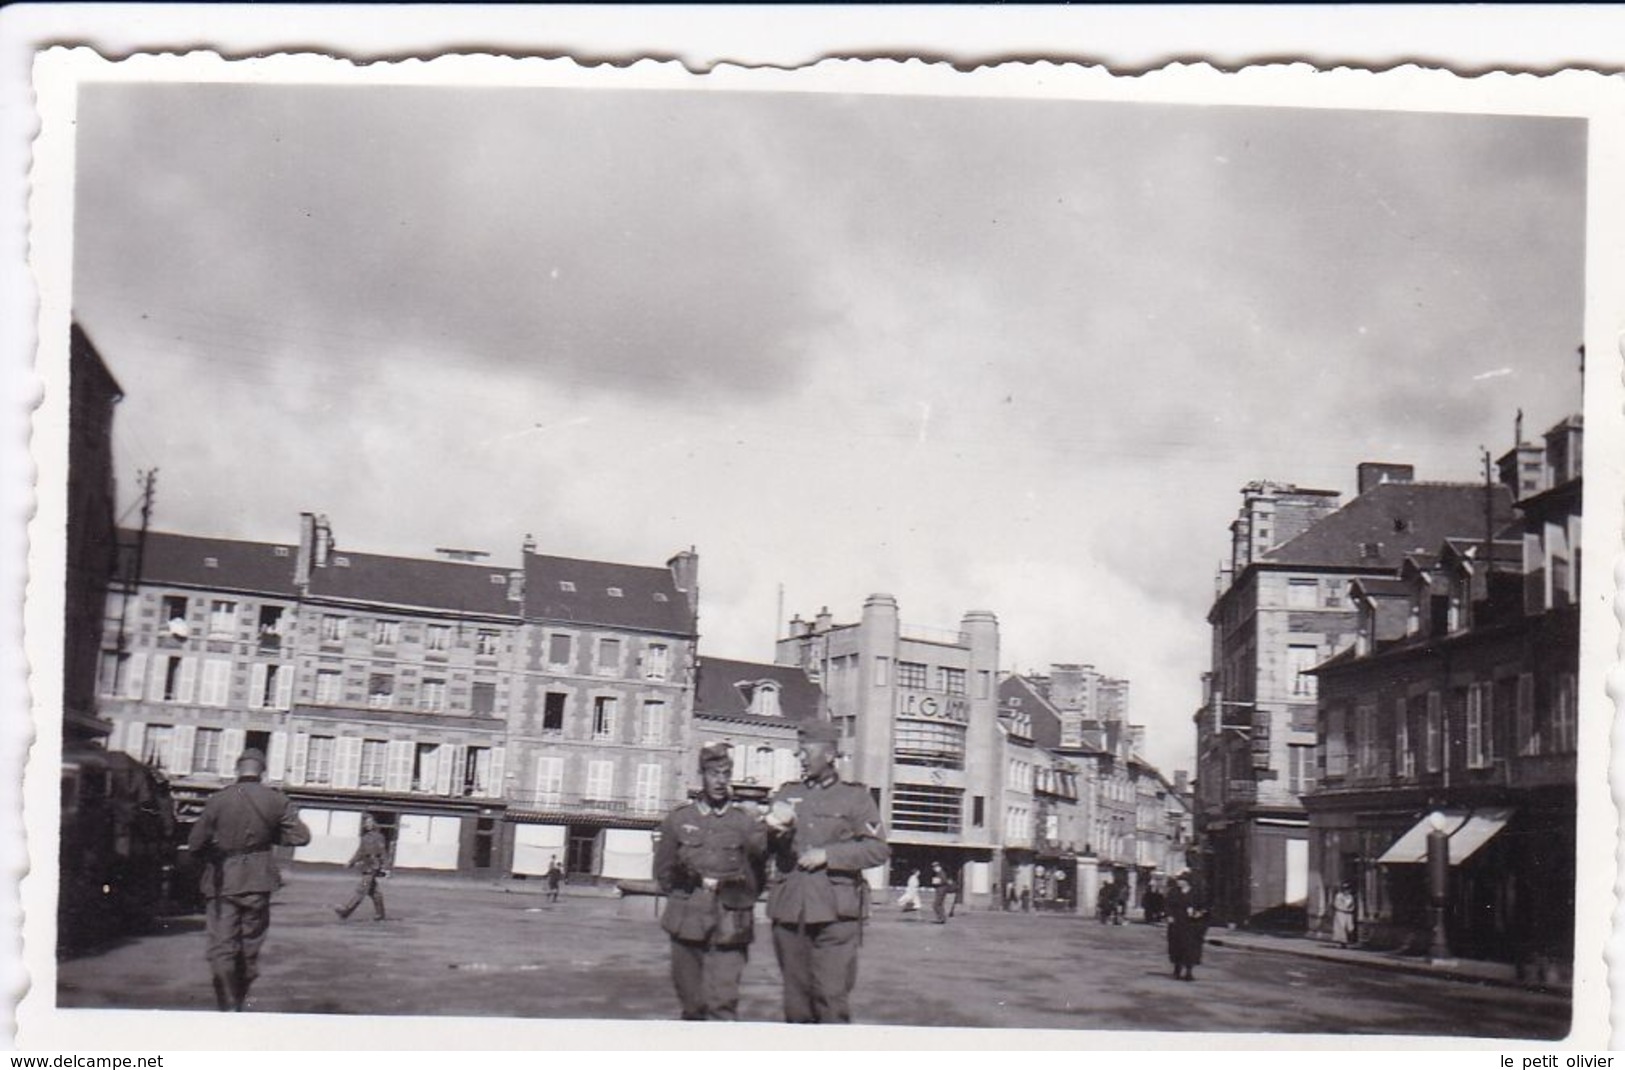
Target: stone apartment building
[1282,608]
[488,717]
[1458,704]
[755,707]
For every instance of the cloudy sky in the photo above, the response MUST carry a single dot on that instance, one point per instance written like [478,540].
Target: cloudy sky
[1013,355]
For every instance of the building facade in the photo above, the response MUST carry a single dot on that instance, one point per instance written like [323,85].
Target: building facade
[756,708]
[1458,706]
[1281,609]
[917,709]
[486,724]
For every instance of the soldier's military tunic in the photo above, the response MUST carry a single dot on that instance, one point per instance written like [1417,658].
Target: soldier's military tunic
[371,854]
[711,929]
[233,838]
[817,914]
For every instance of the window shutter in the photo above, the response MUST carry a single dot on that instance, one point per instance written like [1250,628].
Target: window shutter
[231,748]
[180,749]
[1528,740]
[347,762]
[256,685]
[217,689]
[188,681]
[134,736]
[398,772]
[135,676]
[284,688]
[116,736]
[160,670]
[497,787]
[301,754]
[448,769]
[277,760]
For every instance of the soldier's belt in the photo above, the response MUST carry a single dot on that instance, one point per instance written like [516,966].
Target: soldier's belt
[238,852]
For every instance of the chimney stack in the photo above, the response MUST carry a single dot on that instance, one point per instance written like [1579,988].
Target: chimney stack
[529,545]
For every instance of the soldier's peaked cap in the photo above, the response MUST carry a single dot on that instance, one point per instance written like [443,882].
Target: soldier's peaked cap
[820,732]
[252,754]
[716,754]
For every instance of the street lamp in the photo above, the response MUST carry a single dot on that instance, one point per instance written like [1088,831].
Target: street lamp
[1438,884]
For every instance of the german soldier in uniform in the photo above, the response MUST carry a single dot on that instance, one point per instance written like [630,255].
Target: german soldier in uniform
[371,854]
[823,834]
[708,863]
[233,838]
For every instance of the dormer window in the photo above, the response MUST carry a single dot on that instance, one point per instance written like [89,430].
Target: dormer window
[341,562]
[211,562]
[762,697]
[497,579]
[660,596]
[613,592]
[566,586]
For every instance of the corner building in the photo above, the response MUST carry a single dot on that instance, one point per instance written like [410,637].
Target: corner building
[918,713]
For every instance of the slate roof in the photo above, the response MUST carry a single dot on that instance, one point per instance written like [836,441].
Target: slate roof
[1398,520]
[715,693]
[1041,712]
[648,600]
[183,561]
[420,583]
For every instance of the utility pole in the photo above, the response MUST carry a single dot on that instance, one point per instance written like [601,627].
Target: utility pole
[1489,525]
[132,575]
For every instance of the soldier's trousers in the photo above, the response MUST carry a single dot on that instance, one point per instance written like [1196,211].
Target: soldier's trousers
[236,926]
[368,886]
[707,979]
[820,966]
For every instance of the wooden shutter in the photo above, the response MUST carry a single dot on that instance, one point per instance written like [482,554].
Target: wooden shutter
[181,742]
[347,762]
[445,754]
[135,676]
[256,685]
[284,687]
[116,736]
[160,672]
[188,682]
[497,787]
[231,748]
[277,759]
[301,754]
[398,769]
[216,681]
[134,736]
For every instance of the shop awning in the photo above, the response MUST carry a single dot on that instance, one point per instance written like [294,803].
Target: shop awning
[1468,831]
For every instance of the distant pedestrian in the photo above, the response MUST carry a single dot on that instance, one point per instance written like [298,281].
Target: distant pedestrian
[708,863]
[823,833]
[1343,915]
[939,893]
[1106,903]
[953,893]
[910,899]
[372,856]
[233,839]
[1026,899]
[555,877]
[1153,904]
[1187,927]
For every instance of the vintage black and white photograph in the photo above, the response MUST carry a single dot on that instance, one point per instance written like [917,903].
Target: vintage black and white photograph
[874,545]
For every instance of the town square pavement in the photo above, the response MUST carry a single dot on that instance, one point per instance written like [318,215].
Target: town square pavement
[459,947]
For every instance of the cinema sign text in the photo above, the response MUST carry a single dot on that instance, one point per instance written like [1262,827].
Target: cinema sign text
[919,706]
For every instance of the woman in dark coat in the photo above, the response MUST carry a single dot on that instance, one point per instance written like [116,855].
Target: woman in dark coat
[1187,927]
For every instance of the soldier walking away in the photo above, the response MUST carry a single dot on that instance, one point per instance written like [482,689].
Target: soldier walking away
[555,877]
[372,856]
[233,838]
[939,893]
[823,833]
[708,863]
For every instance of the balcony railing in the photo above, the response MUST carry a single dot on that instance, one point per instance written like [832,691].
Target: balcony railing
[590,804]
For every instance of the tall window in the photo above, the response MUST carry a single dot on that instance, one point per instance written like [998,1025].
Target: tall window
[374,763]
[911,674]
[155,744]
[1302,594]
[206,750]
[319,760]
[488,640]
[558,650]
[426,760]
[1528,732]
[222,619]
[549,780]
[434,695]
[609,654]
[950,680]
[484,697]
[646,795]
[1565,715]
[657,661]
[174,608]
[553,711]
[1300,768]
[603,716]
[276,682]
[652,724]
[329,686]
[386,632]
[1406,756]
[437,638]
[1433,739]
[1478,744]
[332,628]
[601,781]
[1301,657]
[881,674]
[111,675]
[380,690]
[476,779]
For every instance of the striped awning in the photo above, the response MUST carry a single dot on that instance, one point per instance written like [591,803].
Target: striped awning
[1468,831]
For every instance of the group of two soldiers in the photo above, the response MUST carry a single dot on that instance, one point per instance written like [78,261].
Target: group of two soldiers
[820,833]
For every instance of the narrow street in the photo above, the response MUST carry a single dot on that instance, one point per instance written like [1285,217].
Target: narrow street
[457,948]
